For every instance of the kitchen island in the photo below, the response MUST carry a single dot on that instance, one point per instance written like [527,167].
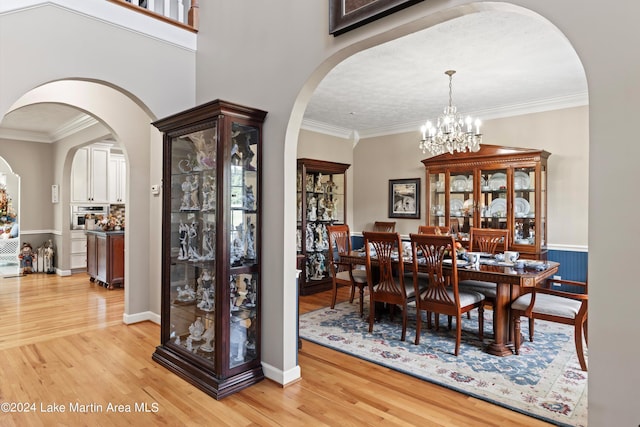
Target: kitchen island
[105,257]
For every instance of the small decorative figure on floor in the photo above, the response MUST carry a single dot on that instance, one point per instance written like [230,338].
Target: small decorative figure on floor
[27,257]
[48,258]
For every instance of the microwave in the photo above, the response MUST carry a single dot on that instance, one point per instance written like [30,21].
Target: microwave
[79,214]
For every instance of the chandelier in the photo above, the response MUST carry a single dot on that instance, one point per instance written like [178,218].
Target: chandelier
[452,132]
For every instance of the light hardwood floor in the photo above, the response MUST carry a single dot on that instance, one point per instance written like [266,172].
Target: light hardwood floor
[62,342]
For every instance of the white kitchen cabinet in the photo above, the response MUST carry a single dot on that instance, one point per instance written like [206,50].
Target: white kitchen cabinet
[117,178]
[89,175]
[78,250]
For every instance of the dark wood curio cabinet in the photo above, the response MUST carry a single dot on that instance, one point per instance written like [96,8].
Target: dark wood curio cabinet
[321,200]
[211,246]
[497,187]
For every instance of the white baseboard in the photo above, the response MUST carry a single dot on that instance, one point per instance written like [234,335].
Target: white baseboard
[279,376]
[63,273]
[141,317]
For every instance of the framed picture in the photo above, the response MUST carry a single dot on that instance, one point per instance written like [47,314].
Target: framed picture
[345,15]
[404,198]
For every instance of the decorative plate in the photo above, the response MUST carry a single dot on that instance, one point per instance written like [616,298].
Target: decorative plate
[459,183]
[521,180]
[468,204]
[522,207]
[498,180]
[455,205]
[498,207]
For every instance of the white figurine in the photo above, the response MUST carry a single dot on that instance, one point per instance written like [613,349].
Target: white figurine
[193,242]
[196,330]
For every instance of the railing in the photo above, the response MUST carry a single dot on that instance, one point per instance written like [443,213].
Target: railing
[183,13]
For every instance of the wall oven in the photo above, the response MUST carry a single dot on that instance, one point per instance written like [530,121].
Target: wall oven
[79,214]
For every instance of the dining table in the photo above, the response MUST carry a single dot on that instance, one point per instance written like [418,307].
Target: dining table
[508,278]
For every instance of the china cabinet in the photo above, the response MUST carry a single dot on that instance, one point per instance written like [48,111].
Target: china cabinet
[496,187]
[321,188]
[210,326]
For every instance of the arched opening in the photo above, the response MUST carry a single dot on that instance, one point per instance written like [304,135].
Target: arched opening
[118,117]
[404,146]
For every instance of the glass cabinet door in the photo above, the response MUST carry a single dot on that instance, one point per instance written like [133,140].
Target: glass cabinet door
[436,199]
[243,253]
[193,230]
[493,199]
[461,203]
[524,206]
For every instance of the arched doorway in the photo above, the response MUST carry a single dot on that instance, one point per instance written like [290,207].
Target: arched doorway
[123,119]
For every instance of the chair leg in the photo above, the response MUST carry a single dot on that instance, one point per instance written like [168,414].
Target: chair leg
[480,322]
[335,294]
[458,333]
[516,338]
[577,333]
[372,312]
[404,324]
[418,323]
[586,332]
[449,322]
[361,286]
[531,321]
[353,292]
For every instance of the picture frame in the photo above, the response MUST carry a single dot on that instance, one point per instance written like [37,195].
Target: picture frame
[345,15]
[404,198]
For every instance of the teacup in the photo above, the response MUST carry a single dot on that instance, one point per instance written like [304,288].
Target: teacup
[511,256]
[473,258]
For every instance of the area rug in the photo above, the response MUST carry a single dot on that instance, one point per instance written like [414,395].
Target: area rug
[544,381]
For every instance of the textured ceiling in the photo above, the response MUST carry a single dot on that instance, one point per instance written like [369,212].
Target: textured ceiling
[506,63]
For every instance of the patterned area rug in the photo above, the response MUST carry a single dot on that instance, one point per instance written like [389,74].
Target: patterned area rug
[544,381]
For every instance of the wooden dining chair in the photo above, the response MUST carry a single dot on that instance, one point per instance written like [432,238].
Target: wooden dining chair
[554,306]
[442,295]
[433,229]
[384,226]
[488,240]
[387,284]
[342,273]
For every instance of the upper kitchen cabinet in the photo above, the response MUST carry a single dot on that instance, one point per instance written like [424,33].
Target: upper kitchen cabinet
[89,183]
[117,178]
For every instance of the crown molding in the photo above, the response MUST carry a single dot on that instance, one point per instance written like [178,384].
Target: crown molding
[539,106]
[81,122]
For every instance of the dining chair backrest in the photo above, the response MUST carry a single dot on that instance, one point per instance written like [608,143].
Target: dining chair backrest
[433,229]
[384,245]
[488,240]
[339,243]
[384,226]
[432,250]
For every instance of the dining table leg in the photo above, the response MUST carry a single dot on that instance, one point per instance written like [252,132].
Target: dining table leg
[501,327]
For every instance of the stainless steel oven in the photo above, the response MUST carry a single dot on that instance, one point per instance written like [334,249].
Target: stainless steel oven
[79,214]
